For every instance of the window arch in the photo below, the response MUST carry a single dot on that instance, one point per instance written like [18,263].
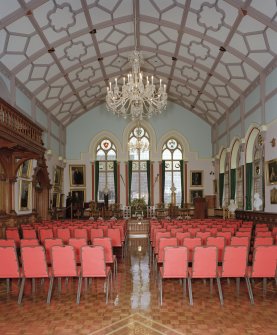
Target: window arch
[172,155]
[106,155]
[139,153]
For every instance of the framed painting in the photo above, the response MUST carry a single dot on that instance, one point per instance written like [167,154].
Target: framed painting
[272,172]
[273,196]
[58,172]
[25,193]
[196,178]
[195,194]
[25,169]
[78,196]
[77,175]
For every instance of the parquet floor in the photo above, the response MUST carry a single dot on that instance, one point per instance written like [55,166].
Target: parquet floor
[134,308]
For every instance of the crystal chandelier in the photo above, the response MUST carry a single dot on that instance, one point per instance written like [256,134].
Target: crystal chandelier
[138,98]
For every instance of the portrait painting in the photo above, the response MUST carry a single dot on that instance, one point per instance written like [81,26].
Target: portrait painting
[77,174]
[196,178]
[272,171]
[195,194]
[273,196]
[25,169]
[25,194]
[58,176]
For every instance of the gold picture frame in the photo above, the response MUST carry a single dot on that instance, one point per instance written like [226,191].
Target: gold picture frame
[273,196]
[77,175]
[25,194]
[25,169]
[271,172]
[58,175]
[196,178]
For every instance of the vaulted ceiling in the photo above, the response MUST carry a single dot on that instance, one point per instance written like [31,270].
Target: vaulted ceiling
[208,53]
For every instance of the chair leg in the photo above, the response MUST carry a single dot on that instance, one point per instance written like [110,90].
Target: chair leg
[21,291]
[50,290]
[79,289]
[264,286]
[219,290]
[184,287]
[8,285]
[59,284]
[190,291]
[249,288]
[238,285]
[211,285]
[33,285]
[107,288]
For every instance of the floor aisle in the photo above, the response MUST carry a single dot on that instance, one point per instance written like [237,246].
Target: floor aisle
[134,308]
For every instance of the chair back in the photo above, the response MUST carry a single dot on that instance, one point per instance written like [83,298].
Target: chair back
[48,244]
[263,241]
[80,233]
[244,233]
[29,233]
[96,232]
[191,243]
[77,243]
[34,262]
[9,267]
[264,261]
[63,261]
[7,243]
[218,242]
[175,262]
[93,261]
[29,242]
[227,235]
[193,231]
[203,236]
[106,243]
[13,234]
[45,233]
[204,263]
[64,234]
[114,234]
[263,234]
[159,235]
[173,231]
[165,242]
[234,262]
[240,240]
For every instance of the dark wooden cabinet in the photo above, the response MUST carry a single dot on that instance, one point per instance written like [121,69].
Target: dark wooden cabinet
[200,208]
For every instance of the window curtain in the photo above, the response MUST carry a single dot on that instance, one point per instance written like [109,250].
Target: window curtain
[163,180]
[130,171]
[182,182]
[221,188]
[148,182]
[115,180]
[249,179]
[96,180]
[233,184]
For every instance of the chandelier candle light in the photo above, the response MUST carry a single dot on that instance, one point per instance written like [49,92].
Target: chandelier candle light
[138,98]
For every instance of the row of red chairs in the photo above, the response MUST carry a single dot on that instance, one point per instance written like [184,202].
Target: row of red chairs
[92,265]
[205,265]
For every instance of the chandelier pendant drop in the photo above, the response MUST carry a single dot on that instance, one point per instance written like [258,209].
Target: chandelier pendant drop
[139,98]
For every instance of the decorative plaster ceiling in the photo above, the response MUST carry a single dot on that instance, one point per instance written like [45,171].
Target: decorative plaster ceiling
[207,52]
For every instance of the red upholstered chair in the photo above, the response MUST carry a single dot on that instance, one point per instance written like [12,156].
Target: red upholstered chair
[45,233]
[191,243]
[29,233]
[7,243]
[9,267]
[165,242]
[234,265]
[48,244]
[240,240]
[218,242]
[63,265]
[204,265]
[80,233]
[95,232]
[175,265]
[93,265]
[227,235]
[13,234]
[264,264]
[110,258]
[263,241]
[203,236]
[263,234]
[77,243]
[115,236]
[33,266]
[29,242]
[244,233]
[64,234]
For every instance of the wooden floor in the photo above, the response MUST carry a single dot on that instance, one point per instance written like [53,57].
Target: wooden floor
[134,307]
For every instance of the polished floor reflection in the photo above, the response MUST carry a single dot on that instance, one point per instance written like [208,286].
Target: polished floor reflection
[134,306]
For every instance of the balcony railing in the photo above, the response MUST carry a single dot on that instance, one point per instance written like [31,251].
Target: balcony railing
[12,120]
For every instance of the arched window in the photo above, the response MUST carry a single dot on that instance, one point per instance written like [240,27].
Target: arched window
[172,156]
[138,147]
[106,157]
[258,166]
